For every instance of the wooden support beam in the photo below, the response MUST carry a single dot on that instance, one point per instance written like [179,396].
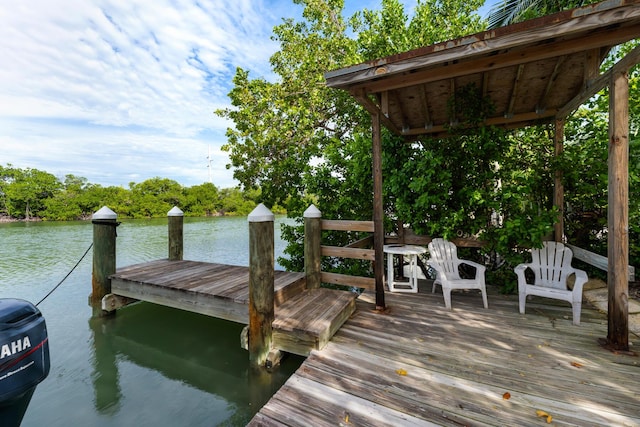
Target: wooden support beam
[542,102]
[372,108]
[558,187]
[618,212]
[452,99]
[378,212]
[485,83]
[424,103]
[517,120]
[514,91]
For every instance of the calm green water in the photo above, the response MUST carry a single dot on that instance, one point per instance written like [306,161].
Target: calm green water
[149,365]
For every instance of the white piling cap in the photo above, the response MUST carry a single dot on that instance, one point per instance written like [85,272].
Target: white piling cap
[104,213]
[312,212]
[175,211]
[261,214]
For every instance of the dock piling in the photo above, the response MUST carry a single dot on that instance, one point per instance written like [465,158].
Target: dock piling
[176,239]
[104,256]
[312,249]
[261,285]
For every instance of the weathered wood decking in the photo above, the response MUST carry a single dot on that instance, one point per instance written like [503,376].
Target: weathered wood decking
[421,364]
[217,290]
[304,319]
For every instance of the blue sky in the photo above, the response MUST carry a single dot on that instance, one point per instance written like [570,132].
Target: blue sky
[121,91]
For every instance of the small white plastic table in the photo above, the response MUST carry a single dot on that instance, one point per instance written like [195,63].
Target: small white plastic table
[411,252]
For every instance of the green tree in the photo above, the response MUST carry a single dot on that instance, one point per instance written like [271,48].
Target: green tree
[234,201]
[25,191]
[154,197]
[64,205]
[512,11]
[303,143]
[201,200]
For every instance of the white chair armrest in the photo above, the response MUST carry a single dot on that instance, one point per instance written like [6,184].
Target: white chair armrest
[519,270]
[581,279]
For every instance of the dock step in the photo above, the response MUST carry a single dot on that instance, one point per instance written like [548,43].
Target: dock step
[308,320]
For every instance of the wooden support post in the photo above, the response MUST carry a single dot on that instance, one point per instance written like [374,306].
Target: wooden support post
[558,188]
[312,246]
[104,256]
[176,243]
[378,213]
[261,285]
[618,214]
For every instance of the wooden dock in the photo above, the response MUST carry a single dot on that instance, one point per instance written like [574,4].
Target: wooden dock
[420,364]
[304,319]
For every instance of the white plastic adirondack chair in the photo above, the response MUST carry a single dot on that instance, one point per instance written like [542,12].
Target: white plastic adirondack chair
[444,260]
[551,266]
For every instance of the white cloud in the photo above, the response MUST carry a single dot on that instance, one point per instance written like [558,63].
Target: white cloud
[117,91]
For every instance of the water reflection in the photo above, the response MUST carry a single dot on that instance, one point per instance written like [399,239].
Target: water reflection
[105,378]
[198,351]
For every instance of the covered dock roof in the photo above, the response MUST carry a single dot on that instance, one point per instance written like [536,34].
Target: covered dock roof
[532,71]
[537,71]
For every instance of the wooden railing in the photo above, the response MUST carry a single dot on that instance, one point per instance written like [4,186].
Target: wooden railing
[314,250]
[598,261]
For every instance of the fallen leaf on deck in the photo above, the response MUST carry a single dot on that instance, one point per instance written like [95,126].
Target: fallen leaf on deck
[506,396]
[401,372]
[541,413]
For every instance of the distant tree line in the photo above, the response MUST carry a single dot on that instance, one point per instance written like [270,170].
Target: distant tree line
[32,194]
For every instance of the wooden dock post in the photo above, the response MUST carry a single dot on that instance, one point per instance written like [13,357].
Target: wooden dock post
[261,285]
[312,248]
[176,240]
[104,256]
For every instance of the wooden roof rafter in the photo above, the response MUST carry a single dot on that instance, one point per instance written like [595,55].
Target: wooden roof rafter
[542,103]
[514,91]
[424,102]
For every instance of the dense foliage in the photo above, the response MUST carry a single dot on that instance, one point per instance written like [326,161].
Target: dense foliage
[27,194]
[304,143]
[512,11]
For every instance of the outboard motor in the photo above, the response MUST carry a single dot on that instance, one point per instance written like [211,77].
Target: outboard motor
[24,357]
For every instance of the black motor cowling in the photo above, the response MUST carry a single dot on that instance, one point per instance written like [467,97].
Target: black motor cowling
[24,357]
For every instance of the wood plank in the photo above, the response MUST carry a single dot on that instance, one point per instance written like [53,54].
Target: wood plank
[598,261]
[217,290]
[348,280]
[309,320]
[455,366]
[206,304]
[345,252]
[344,225]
